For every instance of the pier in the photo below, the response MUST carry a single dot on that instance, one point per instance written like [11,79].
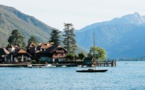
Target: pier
[106,63]
[64,64]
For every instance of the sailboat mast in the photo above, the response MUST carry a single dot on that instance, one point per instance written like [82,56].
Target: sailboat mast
[93,39]
[94,46]
[94,55]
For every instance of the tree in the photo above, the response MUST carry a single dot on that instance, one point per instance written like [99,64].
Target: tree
[16,39]
[55,37]
[69,40]
[99,53]
[32,39]
[71,56]
[81,55]
[89,55]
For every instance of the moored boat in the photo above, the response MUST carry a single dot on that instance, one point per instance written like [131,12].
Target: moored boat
[93,70]
[93,61]
[29,65]
[49,65]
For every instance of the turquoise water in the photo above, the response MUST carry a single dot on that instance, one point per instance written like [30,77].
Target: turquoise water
[128,75]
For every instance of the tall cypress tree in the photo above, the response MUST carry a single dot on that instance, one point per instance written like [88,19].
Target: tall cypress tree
[16,39]
[69,38]
[55,37]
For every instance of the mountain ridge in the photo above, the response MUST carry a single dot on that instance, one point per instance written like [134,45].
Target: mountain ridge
[11,18]
[111,34]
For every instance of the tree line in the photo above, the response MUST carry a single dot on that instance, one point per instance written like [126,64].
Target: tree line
[68,41]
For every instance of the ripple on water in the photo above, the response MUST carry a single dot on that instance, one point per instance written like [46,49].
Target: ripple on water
[128,76]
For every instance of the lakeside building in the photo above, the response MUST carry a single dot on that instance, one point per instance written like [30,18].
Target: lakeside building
[13,54]
[46,52]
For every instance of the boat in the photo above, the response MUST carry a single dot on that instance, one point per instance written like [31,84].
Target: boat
[64,66]
[29,65]
[90,70]
[49,65]
[82,66]
[93,70]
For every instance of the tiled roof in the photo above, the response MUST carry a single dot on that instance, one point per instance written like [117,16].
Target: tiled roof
[45,45]
[49,49]
[52,48]
[19,51]
[22,51]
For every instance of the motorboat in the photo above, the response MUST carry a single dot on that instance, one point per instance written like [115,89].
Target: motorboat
[93,70]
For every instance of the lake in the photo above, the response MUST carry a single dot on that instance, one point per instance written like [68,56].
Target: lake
[128,75]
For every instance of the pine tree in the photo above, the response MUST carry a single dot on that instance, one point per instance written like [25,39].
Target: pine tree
[16,39]
[69,38]
[32,39]
[55,37]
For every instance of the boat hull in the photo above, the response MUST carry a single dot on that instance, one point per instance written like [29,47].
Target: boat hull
[92,71]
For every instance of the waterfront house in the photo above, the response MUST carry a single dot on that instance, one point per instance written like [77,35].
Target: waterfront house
[42,52]
[32,50]
[20,55]
[14,54]
[47,52]
[55,52]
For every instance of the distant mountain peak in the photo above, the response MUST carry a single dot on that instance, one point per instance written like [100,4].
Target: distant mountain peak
[134,18]
[136,13]
[121,37]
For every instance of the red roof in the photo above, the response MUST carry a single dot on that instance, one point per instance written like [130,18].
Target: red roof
[45,45]
[22,51]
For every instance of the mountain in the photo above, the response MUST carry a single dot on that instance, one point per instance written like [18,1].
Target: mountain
[11,19]
[121,37]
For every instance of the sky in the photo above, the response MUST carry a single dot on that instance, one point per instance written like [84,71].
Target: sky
[78,12]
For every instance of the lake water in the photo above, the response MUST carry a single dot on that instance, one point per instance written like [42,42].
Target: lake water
[128,75]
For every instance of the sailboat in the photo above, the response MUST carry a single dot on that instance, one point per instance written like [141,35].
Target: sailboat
[93,70]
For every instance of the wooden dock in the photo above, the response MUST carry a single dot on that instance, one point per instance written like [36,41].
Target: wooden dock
[98,63]
[20,65]
[106,63]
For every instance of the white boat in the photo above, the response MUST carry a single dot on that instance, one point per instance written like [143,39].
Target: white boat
[29,65]
[49,65]
[64,66]
[82,66]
